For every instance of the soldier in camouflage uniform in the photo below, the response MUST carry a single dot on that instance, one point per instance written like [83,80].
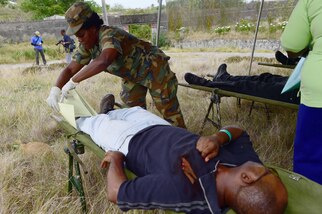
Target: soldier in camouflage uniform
[141,65]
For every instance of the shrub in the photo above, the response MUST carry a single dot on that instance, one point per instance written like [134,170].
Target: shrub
[274,27]
[141,31]
[244,26]
[164,41]
[222,30]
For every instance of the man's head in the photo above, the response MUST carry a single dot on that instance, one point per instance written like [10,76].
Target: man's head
[37,33]
[84,23]
[62,32]
[252,188]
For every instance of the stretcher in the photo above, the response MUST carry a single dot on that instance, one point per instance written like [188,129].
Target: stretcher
[79,142]
[304,194]
[214,117]
[276,65]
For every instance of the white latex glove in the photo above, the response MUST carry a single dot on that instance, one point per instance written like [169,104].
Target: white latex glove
[67,87]
[53,98]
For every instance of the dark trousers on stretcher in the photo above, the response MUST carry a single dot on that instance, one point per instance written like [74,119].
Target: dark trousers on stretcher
[265,85]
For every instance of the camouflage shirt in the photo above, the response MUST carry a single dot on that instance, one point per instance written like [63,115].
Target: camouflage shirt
[137,60]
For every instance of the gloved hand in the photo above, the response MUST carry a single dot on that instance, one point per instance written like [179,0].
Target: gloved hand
[67,87]
[53,98]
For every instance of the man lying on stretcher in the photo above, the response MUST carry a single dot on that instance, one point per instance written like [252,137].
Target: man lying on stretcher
[178,170]
[265,85]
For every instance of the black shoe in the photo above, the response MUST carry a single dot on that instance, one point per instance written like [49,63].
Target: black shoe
[280,57]
[107,104]
[222,73]
[195,80]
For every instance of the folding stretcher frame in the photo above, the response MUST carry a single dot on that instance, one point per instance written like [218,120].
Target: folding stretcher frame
[73,149]
[215,100]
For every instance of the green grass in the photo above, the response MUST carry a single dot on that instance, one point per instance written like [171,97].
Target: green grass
[12,53]
[37,184]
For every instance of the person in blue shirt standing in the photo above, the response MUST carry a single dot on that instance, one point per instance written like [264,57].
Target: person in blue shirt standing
[68,44]
[37,42]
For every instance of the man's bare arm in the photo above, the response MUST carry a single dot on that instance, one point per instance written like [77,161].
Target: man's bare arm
[115,176]
[187,170]
[209,146]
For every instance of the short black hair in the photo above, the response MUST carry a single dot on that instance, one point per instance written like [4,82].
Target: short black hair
[257,198]
[93,20]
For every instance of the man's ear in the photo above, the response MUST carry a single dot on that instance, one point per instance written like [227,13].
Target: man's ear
[248,177]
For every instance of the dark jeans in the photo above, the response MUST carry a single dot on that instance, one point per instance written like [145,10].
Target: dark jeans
[265,85]
[42,56]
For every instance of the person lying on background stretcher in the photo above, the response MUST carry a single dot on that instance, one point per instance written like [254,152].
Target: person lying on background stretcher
[265,85]
[227,173]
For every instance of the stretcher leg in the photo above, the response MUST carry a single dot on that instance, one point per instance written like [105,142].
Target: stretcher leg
[75,180]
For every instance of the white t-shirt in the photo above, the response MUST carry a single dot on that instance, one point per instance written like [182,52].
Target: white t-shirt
[113,131]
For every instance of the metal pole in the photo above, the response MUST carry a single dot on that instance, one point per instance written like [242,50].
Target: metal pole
[104,12]
[255,38]
[158,23]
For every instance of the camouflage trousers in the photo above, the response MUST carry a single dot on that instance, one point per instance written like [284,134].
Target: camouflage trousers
[164,95]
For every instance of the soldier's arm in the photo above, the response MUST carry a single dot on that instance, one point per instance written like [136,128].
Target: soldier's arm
[67,73]
[97,65]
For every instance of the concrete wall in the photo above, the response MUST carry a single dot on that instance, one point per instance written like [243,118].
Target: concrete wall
[22,31]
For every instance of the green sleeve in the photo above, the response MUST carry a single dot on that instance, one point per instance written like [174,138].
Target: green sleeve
[109,38]
[82,56]
[297,35]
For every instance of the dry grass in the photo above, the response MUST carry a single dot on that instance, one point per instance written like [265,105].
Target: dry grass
[37,184]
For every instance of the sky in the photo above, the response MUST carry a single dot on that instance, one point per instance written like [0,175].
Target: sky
[131,3]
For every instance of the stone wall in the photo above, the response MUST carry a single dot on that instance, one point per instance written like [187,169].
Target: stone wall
[262,44]
[22,31]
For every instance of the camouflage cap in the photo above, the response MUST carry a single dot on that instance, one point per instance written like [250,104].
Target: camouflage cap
[76,15]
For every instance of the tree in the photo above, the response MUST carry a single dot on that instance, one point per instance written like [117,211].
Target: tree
[3,2]
[44,8]
[117,7]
